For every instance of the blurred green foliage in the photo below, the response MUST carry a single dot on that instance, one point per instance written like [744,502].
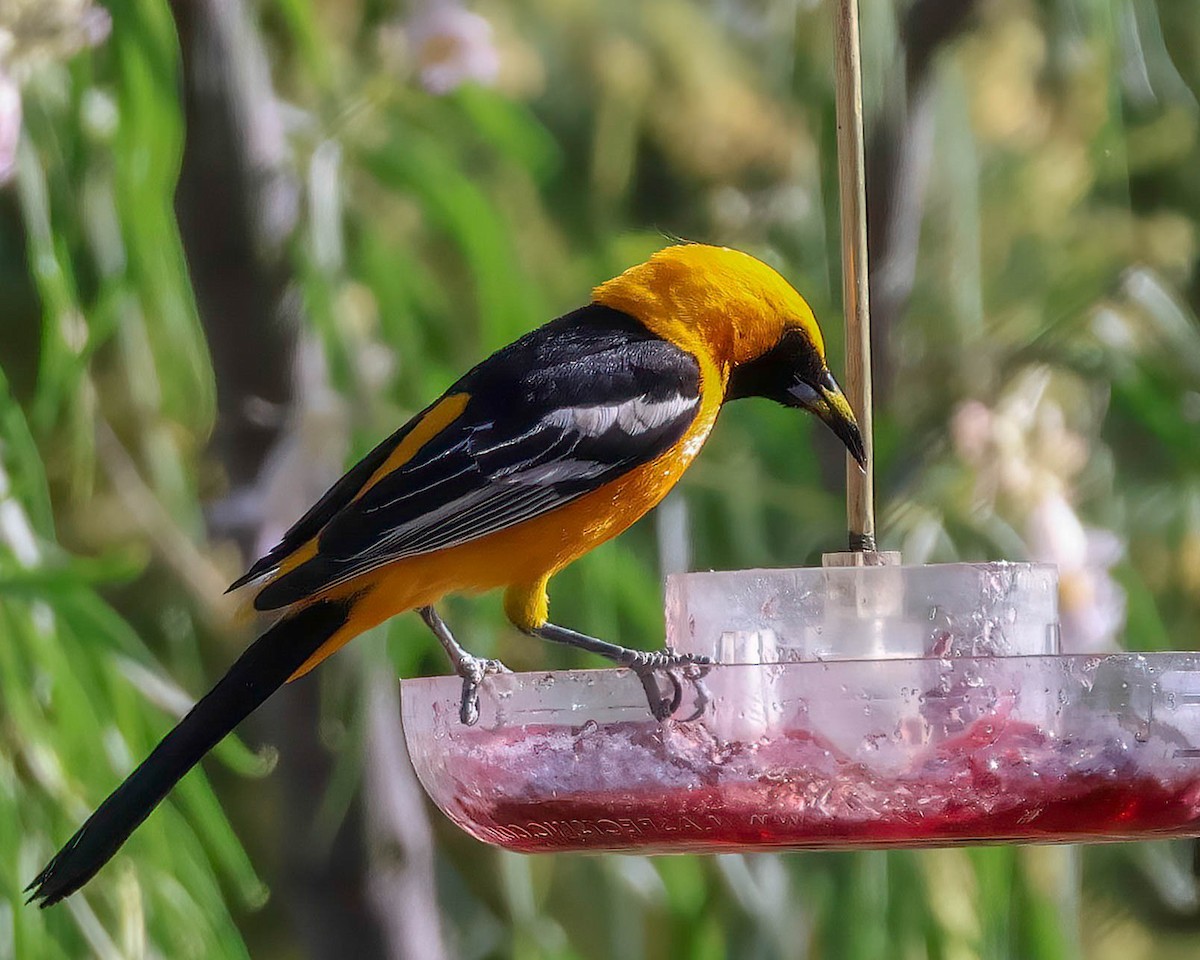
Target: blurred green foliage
[1055,285]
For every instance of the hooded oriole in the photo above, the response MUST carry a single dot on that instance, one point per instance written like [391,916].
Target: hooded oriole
[551,446]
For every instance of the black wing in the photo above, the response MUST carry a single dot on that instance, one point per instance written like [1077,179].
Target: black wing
[564,410]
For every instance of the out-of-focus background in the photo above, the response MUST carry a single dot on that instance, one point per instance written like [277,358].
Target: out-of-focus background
[242,240]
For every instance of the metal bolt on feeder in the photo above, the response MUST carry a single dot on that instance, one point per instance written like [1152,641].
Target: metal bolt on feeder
[860,704]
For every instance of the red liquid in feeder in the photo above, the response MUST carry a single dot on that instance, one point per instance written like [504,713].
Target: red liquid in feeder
[676,787]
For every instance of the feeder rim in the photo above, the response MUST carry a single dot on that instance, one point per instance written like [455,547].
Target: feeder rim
[1026,564]
[1088,659]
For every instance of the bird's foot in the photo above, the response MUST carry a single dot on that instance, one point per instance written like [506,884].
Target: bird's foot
[649,664]
[473,670]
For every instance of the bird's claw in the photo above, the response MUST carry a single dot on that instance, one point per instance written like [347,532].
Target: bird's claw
[647,664]
[473,670]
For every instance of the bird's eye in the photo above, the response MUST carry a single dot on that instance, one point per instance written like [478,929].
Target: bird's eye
[803,356]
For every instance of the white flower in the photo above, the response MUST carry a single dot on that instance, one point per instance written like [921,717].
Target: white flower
[32,32]
[36,31]
[1091,603]
[1055,535]
[10,126]
[452,46]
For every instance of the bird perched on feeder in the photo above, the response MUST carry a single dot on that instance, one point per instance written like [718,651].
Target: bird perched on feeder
[551,446]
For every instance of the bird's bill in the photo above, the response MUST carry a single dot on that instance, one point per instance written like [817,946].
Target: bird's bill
[826,400]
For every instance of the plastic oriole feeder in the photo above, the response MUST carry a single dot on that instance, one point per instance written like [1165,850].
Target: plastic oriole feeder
[860,704]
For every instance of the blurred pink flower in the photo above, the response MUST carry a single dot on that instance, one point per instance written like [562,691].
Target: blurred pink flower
[971,428]
[10,126]
[452,46]
[1091,602]
[94,26]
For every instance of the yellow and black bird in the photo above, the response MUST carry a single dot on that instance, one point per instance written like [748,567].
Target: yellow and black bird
[548,448]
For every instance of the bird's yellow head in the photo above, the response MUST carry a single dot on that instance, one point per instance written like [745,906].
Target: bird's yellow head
[737,313]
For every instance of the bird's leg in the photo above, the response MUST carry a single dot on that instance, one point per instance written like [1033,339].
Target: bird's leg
[646,664]
[472,669]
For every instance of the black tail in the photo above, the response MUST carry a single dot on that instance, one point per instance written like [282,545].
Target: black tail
[258,673]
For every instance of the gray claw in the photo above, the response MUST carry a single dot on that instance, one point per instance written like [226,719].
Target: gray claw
[647,664]
[660,707]
[473,671]
[695,675]
[468,707]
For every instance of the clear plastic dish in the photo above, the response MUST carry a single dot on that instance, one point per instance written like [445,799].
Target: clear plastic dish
[964,725]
